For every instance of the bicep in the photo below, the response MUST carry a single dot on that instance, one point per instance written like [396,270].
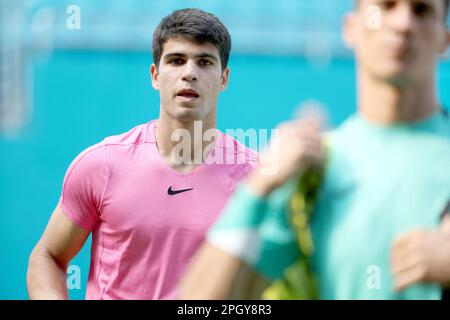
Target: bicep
[62,238]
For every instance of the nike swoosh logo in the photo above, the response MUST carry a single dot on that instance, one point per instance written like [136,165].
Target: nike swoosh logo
[174,192]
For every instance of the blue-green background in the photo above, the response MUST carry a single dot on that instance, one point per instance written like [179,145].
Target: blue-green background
[78,97]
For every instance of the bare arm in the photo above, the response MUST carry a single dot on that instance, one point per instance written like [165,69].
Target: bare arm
[61,241]
[216,275]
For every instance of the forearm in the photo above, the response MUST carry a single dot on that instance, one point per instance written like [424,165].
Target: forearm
[46,279]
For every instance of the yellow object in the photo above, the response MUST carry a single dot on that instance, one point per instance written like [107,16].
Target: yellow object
[299,281]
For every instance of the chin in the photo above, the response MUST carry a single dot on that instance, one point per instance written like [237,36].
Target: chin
[396,73]
[187,105]
[188,115]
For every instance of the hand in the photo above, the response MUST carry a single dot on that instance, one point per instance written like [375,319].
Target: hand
[296,147]
[422,256]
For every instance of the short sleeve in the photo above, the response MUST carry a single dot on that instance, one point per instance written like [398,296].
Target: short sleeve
[84,186]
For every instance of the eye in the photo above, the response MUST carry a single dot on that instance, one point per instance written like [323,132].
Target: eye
[387,5]
[205,62]
[421,9]
[176,61]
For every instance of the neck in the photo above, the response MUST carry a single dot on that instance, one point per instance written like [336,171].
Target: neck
[182,143]
[385,104]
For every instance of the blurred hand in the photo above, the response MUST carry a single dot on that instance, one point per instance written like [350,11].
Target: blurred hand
[296,147]
[422,256]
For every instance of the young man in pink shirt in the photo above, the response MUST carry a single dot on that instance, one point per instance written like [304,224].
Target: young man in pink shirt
[148,198]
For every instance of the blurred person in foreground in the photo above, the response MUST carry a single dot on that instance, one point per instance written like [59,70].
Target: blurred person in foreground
[356,213]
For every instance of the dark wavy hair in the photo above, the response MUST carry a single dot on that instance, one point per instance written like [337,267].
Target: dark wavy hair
[196,25]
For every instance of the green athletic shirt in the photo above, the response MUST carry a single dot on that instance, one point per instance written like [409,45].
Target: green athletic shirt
[380,181]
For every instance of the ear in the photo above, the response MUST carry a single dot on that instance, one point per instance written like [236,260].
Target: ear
[155,76]
[349,30]
[224,78]
[445,42]
[445,224]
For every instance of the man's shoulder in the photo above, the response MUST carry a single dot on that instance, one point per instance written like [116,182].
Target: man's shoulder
[346,135]
[233,157]
[96,154]
[239,150]
[136,135]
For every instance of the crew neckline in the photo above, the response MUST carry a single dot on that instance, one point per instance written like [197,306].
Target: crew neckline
[217,144]
[425,123]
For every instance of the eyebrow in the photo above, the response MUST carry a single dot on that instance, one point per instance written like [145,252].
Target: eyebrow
[183,55]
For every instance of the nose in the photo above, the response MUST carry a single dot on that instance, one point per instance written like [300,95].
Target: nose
[402,18]
[190,71]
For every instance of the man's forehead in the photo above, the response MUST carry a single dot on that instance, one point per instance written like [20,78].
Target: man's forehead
[185,46]
[431,2]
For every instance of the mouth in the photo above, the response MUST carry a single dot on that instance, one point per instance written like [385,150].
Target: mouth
[188,94]
[400,49]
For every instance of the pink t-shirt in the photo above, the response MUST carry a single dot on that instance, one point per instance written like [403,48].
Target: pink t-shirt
[142,236]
